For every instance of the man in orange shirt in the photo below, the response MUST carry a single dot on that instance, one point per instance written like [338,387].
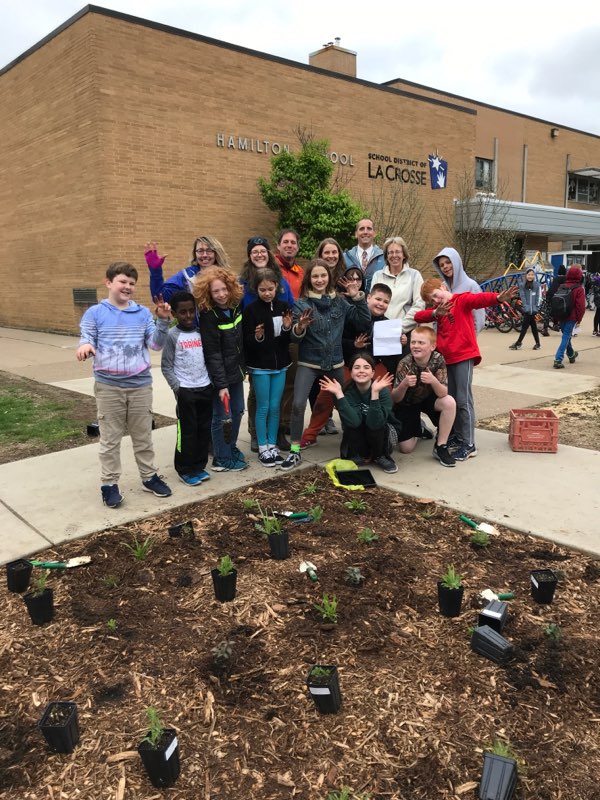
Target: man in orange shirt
[287,250]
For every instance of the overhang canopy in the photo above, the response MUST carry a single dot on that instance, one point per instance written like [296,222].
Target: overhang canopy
[586,172]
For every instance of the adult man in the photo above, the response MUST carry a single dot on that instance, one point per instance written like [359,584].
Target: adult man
[287,249]
[366,254]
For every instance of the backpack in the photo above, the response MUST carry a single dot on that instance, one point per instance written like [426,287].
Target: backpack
[561,304]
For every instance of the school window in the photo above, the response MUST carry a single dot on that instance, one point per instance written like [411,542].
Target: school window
[584,190]
[484,174]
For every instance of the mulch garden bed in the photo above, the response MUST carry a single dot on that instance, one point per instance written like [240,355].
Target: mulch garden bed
[418,708]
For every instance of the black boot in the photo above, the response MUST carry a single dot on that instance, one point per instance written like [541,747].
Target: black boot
[282,442]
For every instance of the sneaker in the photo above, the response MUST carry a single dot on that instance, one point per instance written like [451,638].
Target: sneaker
[454,442]
[277,456]
[157,486]
[237,465]
[465,452]
[254,444]
[203,475]
[573,358]
[387,464]
[190,480]
[291,461]
[267,458]
[111,496]
[536,346]
[425,432]
[545,332]
[304,443]
[331,428]
[515,346]
[443,455]
[558,365]
[219,466]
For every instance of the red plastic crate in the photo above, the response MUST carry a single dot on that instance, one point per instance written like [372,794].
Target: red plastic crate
[533,430]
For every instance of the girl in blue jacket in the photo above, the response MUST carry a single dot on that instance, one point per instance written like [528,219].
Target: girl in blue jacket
[531,300]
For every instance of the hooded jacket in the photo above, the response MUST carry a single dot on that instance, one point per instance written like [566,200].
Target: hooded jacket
[460,282]
[573,280]
[376,262]
[530,295]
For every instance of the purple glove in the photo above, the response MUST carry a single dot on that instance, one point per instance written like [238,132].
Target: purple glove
[153,260]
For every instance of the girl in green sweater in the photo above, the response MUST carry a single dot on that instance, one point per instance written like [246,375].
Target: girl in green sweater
[363,405]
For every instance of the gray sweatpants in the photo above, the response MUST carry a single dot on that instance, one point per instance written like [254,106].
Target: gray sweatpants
[460,378]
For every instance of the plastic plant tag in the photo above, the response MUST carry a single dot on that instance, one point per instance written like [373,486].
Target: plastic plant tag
[319,690]
[171,749]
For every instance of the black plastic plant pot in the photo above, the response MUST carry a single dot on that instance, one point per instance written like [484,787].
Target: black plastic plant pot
[543,584]
[494,615]
[41,608]
[18,574]
[60,727]
[498,779]
[489,643]
[450,600]
[225,585]
[184,529]
[280,545]
[324,688]
[93,429]
[161,761]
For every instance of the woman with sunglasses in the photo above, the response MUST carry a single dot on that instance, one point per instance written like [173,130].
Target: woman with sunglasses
[206,252]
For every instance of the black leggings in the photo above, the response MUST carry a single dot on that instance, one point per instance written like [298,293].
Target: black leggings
[597,320]
[529,322]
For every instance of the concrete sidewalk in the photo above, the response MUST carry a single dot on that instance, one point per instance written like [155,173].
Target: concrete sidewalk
[54,498]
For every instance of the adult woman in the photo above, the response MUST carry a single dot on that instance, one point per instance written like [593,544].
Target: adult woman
[331,252]
[206,252]
[404,281]
[261,257]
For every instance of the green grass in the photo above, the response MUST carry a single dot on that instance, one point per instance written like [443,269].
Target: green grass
[24,418]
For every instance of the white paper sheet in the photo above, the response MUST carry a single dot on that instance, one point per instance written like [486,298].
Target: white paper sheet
[386,337]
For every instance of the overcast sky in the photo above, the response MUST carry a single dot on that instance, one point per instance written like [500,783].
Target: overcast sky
[537,58]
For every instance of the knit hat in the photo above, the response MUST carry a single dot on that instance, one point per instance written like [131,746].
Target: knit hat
[256,240]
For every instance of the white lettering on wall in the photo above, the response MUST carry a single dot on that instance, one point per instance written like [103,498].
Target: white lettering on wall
[237,142]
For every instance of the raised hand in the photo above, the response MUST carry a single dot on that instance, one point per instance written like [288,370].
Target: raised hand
[384,382]
[349,285]
[331,385]
[85,351]
[361,341]
[304,320]
[508,294]
[163,310]
[286,319]
[444,309]
[153,259]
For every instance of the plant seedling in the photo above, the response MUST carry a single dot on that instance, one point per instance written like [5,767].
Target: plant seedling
[327,608]
[345,793]
[503,748]
[110,581]
[222,652]
[39,585]
[320,672]
[155,727]
[225,566]
[451,579]
[316,513]
[366,536]
[354,576]
[480,539]
[310,488]
[138,549]
[356,504]
[250,505]
[269,524]
[553,631]
[112,624]
[429,513]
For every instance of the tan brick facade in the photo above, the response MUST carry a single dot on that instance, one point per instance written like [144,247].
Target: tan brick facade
[111,133]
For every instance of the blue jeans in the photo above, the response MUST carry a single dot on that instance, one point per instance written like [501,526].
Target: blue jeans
[225,452]
[567,327]
[269,391]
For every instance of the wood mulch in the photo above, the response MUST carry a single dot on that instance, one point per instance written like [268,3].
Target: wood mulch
[419,706]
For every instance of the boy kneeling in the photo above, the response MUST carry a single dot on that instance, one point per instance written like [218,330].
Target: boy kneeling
[421,384]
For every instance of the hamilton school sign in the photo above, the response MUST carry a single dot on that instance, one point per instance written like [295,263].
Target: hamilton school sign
[230,141]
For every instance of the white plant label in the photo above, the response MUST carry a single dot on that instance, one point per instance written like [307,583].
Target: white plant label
[319,690]
[495,614]
[534,581]
[170,749]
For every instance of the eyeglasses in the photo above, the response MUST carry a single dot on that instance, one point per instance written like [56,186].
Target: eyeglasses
[204,251]
[259,252]
[395,254]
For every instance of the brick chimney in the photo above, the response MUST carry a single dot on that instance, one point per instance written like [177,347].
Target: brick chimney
[335,58]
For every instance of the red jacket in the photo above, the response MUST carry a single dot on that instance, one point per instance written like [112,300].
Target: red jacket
[573,280]
[456,338]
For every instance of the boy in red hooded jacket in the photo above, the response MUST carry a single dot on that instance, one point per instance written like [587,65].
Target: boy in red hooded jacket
[574,282]
[457,342]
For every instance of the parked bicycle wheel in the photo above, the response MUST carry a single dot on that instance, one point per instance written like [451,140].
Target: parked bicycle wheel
[503,323]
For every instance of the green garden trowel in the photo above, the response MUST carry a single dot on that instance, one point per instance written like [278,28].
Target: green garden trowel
[71,562]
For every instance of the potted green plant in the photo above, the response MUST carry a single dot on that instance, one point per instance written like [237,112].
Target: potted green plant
[324,687]
[543,585]
[499,775]
[224,578]
[40,602]
[18,574]
[327,608]
[60,726]
[278,538]
[159,752]
[450,592]
[182,529]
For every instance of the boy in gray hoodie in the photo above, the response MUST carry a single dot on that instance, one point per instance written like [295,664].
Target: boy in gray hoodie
[448,264]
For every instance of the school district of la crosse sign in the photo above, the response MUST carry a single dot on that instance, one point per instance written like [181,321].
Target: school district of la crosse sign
[408,170]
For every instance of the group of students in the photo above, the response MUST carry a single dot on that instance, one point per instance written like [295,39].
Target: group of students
[305,331]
